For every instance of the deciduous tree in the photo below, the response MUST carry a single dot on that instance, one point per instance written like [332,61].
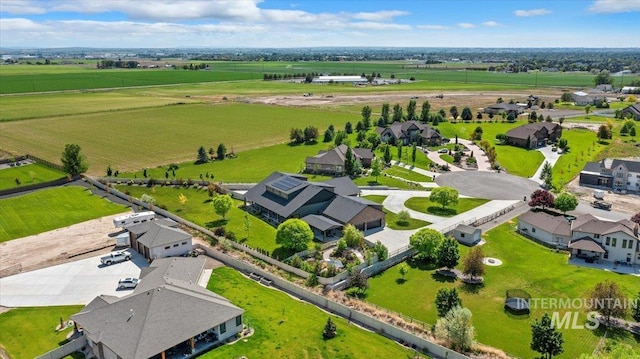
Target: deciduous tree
[366,116]
[222,204]
[453,111]
[545,338]
[565,202]
[397,112]
[426,243]
[403,269]
[384,114]
[456,329]
[447,299]
[448,253]
[294,234]
[424,111]
[376,168]
[411,110]
[636,218]
[387,154]
[608,300]
[380,250]
[473,263]
[541,198]
[444,196]
[604,133]
[353,236]
[310,134]
[73,161]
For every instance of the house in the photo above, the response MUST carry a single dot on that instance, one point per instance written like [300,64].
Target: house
[503,107]
[167,314]
[630,89]
[615,174]
[332,161]
[467,235]
[582,98]
[326,206]
[323,79]
[586,236]
[534,135]
[631,111]
[158,239]
[409,132]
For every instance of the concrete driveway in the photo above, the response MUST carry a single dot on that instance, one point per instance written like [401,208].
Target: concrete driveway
[71,283]
[549,156]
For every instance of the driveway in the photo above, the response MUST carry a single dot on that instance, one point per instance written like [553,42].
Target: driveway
[71,283]
[489,185]
[549,156]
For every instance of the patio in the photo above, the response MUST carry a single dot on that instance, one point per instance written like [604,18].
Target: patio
[621,267]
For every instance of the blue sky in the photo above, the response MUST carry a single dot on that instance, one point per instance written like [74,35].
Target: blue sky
[311,23]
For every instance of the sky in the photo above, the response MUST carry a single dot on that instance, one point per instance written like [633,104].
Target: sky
[318,23]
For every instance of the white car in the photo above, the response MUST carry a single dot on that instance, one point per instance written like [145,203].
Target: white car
[443,150]
[128,283]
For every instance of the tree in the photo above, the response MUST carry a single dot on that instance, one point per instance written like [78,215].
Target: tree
[349,162]
[109,171]
[328,136]
[348,127]
[212,153]
[453,111]
[636,218]
[202,155]
[403,217]
[566,97]
[221,151]
[403,269]
[448,253]
[456,329]
[635,308]
[360,281]
[73,162]
[376,168]
[547,174]
[414,149]
[366,117]
[608,300]
[501,137]
[565,202]
[353,236]
[296,135]
[294,234]
[148,199]
[222,204]
[604,133]
[444,196]
[247,224]
[541,198]
[397,112]
[424,111]
[587,109]
[381,251]
[545,338]
[387,154]
[384,114]
[603,78]
[310,134]
[466,114]
[426,243]
[329,330]
[511,117]
[341,138]
[473,263]
[411,110]
[447,299]
[563,144]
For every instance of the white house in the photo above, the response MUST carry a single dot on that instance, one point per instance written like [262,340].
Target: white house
[158,239]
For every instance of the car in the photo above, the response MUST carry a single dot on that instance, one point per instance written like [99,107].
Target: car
[115,257]
[443,150]
[128,283]
[601,205]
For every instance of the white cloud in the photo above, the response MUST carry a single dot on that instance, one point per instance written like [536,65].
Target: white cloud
[369,25]
[491,24]
[433,27]
[615,6]
[534,12]
[379,15]
[21,7]
[20,25]
[466,25]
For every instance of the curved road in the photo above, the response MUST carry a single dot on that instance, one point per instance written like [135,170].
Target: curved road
[489,185]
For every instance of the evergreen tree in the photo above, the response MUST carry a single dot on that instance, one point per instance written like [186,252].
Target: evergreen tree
[387,154]
[329,330]
[202,155]
[447,299]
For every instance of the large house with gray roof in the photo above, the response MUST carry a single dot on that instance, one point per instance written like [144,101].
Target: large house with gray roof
[158,239]
[503,107]
[586,236]
[332,161]
[410,132]
[534,135]
[326,206]
[616,174]
[631,111]
[167,315]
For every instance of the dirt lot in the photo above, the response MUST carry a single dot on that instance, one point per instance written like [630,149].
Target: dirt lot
[61,245]
[627,203]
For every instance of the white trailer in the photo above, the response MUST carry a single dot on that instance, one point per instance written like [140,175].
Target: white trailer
[134,218]
[598,194]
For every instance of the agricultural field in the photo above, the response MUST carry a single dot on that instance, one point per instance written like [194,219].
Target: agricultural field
[48,209]
[27,175]
[35,326]
[556,279]
[289,328]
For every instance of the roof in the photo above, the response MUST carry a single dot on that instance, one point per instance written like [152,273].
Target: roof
[462,228]
[635,109]
[529,130]
[590,224]
[169,271]
[337,155]
[556,225]
[321,222]
[399,129]
[159,235]
[593,167]
[150,321]
[343,186]
[504,106]
[586,244]
[343,209]
[143,227]
[632,166]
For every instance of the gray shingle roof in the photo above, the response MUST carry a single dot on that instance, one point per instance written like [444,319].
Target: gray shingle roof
[321,222]
[632,166]
[399,129]
[344,186]
[586,244]
[556,225]
[462,228]
[143,227]
[529,130]
[158,235]
[337,155]
[343,209]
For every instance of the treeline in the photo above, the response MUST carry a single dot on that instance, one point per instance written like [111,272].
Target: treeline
[117,64]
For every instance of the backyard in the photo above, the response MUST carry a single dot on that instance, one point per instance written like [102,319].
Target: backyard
[27,175]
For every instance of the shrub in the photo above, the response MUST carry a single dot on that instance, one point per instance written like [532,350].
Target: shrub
[220,231]
[230,236]
[312,280]
[296,261]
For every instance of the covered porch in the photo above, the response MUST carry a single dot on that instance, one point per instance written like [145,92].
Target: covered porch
[587,249]
[324,229]
[192,347]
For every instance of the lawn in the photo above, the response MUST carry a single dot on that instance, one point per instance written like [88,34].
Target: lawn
[552,278]
[584,147]
[422,204]
[27,175]
[289,328]
[392,218]
[35,326]
[140,138]
[48,209]
[384,181]
[407,174]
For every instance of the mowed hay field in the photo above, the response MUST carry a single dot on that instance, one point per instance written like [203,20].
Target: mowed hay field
[134,139]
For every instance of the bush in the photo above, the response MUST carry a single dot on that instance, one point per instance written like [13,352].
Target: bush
[220,231]
[312,280]
[230,236]
[296,261]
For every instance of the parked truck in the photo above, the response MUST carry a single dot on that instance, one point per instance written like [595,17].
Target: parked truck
[115,257]
[601,205]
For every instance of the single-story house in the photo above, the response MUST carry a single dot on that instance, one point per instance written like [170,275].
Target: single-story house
[534,135]
[332,161]
[630,89]
[410,132]
[467,234]
[325,79]
[586,236]
[632,111]
[615,174]
[326,206]
[158,239]
[167,314]
[503,107]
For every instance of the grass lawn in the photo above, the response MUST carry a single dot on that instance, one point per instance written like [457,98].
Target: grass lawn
[48,209]
[422,204]
[384,181]
[392,218]
[28,175]
[199,210]
[526,265]
[447,158]
[584,147]
[35,326]
[289,328]
[407,174]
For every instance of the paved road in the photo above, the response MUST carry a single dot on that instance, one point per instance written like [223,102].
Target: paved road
[488,185]
[71,283]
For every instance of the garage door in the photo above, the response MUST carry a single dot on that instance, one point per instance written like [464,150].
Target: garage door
[374,224]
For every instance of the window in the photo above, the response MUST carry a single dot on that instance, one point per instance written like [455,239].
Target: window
[614,242]
[596,236]
[606,255]
[461,235]
[167,247]
[238,321]
[624,243]
[223,328]
[608,242]
[175,245]
[533,230]
[184,243]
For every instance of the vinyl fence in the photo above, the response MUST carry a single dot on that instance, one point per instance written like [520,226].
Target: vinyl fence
[74,345]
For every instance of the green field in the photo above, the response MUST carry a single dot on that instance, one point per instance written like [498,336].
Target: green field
[27,175]
[422,204]
[407,174]
[289,328]
[35,326]
[49,209]
[526,265]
